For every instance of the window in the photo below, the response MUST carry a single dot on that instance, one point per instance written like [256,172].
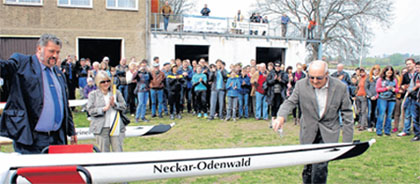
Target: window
[24,2]
[122,4]
[75,3]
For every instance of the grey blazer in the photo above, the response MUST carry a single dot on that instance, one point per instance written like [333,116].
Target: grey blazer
[95,105]
[328,124]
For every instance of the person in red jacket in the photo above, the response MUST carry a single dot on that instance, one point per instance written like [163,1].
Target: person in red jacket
[260,93]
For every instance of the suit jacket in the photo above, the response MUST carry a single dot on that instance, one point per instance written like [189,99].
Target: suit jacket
[66,67]
[26,99]
[328,124]
[95,105]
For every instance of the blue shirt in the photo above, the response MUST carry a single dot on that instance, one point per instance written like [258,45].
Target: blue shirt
[285,19]
[219,80]
[200,86]
[231,91]
[188,78]
[46,119]
[247,82]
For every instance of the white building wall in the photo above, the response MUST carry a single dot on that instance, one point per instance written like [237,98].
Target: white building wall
[231,50]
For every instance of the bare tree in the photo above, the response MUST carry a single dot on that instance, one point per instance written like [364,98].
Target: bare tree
[343,26]
[179,6]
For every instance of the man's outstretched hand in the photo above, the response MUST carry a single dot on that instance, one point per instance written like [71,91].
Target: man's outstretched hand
[278,123]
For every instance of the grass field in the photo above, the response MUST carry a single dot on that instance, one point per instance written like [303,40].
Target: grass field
[390,160]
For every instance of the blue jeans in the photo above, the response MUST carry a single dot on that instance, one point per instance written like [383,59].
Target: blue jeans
[165,22]
[232,105]
[165,101]
[142,97]
[408,114]
[261,101]
[243,105]
[157,93]
[124,91]
[216,96]
[384,106]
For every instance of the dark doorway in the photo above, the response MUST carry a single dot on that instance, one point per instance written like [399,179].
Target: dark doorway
[97,49]
[192,52]
[270,54]
[10,45]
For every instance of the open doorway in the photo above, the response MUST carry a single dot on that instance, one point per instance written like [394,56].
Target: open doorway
[270,54]
[192,52]
[97,49]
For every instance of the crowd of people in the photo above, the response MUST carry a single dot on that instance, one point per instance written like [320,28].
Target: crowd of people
[381,96]
[213,91]
[37,113]
[307,26]
[216,91]
[206,90]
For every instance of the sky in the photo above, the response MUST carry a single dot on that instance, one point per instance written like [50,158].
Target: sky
[403,36]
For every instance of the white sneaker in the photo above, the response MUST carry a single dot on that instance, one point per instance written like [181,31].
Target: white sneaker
[402,134]
[370,130]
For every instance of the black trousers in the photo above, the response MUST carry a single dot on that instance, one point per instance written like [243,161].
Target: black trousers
[174,101]
[296,112]
[131,98]
[41,140]
[275,105]
[201,101]
[316,173]
[186,96]
[373,118]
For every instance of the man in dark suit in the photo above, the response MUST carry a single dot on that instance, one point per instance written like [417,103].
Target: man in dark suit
[321,99]
[37,113]
[69,69]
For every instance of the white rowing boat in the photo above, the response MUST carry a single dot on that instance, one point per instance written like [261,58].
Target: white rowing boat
[132,131]
[150,165]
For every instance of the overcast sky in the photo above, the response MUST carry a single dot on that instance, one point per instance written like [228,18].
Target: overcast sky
[402,37]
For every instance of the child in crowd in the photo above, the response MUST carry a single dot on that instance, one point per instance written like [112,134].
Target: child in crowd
[233,87]
[199,82]
[352,93]
[244,93]
[88,88]
[352,87]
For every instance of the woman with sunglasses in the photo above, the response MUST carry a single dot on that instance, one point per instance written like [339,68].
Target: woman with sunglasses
[102,107]
[387,87]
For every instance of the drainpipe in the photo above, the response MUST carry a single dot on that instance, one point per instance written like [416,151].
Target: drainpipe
[147,33]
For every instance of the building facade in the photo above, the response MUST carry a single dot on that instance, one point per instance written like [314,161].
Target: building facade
[88,28]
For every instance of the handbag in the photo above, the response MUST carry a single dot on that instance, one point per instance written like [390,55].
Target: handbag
[124,119]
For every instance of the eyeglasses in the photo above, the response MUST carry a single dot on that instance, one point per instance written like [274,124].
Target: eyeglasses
[317,78]
[103,82]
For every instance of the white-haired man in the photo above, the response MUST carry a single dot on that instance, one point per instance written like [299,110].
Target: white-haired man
[321,99]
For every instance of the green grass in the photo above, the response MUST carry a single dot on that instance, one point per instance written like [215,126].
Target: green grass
[390,160]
